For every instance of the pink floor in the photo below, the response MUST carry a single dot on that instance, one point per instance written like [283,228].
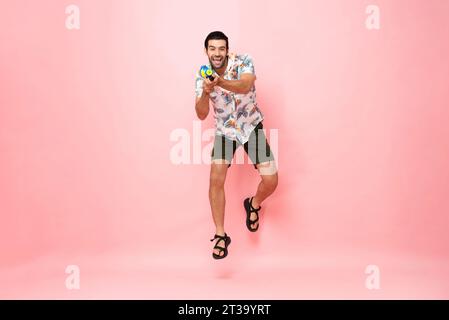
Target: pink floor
[309,274]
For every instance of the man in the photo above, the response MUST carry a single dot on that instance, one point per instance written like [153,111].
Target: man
[238,121]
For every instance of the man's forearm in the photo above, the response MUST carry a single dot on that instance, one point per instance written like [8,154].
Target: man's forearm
[236,86]
[202,106]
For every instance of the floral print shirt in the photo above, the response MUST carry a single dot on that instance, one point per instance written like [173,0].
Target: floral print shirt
[236,115]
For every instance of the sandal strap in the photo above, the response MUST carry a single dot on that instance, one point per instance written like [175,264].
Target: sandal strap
[251,208]
[221,238]
[225,237]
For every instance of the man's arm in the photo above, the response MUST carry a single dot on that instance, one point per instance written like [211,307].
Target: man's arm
[243,85]
[202,105]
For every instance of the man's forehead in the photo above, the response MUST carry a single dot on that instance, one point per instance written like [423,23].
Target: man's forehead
[217,43]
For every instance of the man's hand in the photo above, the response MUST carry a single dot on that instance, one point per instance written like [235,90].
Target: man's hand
[208,86]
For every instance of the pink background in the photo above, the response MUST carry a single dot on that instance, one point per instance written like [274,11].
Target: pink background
[363,150]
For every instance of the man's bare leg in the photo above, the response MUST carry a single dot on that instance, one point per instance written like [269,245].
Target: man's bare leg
[217,199]
[267,185]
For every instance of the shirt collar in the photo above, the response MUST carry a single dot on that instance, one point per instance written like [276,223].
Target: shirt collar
[231,59]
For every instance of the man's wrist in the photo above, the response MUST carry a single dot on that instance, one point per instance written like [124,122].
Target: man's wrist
[220,81]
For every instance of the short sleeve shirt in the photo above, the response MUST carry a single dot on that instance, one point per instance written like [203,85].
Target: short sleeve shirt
[236,115]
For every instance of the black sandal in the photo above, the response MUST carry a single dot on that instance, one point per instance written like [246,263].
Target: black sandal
[249,208]
[227,241]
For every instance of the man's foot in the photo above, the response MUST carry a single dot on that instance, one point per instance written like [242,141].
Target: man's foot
[221,246]
[252,214]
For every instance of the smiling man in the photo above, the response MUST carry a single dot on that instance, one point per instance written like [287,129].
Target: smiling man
[238,121]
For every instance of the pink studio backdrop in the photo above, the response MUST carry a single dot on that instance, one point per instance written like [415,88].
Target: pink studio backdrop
[86,176]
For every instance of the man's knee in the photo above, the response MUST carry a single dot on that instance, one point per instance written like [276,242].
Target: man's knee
[268,169]
[218,173]
[268,173]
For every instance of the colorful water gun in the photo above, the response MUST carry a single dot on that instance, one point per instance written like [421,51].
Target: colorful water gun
[207,72]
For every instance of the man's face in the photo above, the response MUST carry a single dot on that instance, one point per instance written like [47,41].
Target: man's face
[217,52]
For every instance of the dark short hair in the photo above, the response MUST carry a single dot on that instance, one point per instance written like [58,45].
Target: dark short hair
[216,35]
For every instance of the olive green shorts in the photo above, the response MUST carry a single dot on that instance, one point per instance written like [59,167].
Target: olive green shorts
[256,147]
